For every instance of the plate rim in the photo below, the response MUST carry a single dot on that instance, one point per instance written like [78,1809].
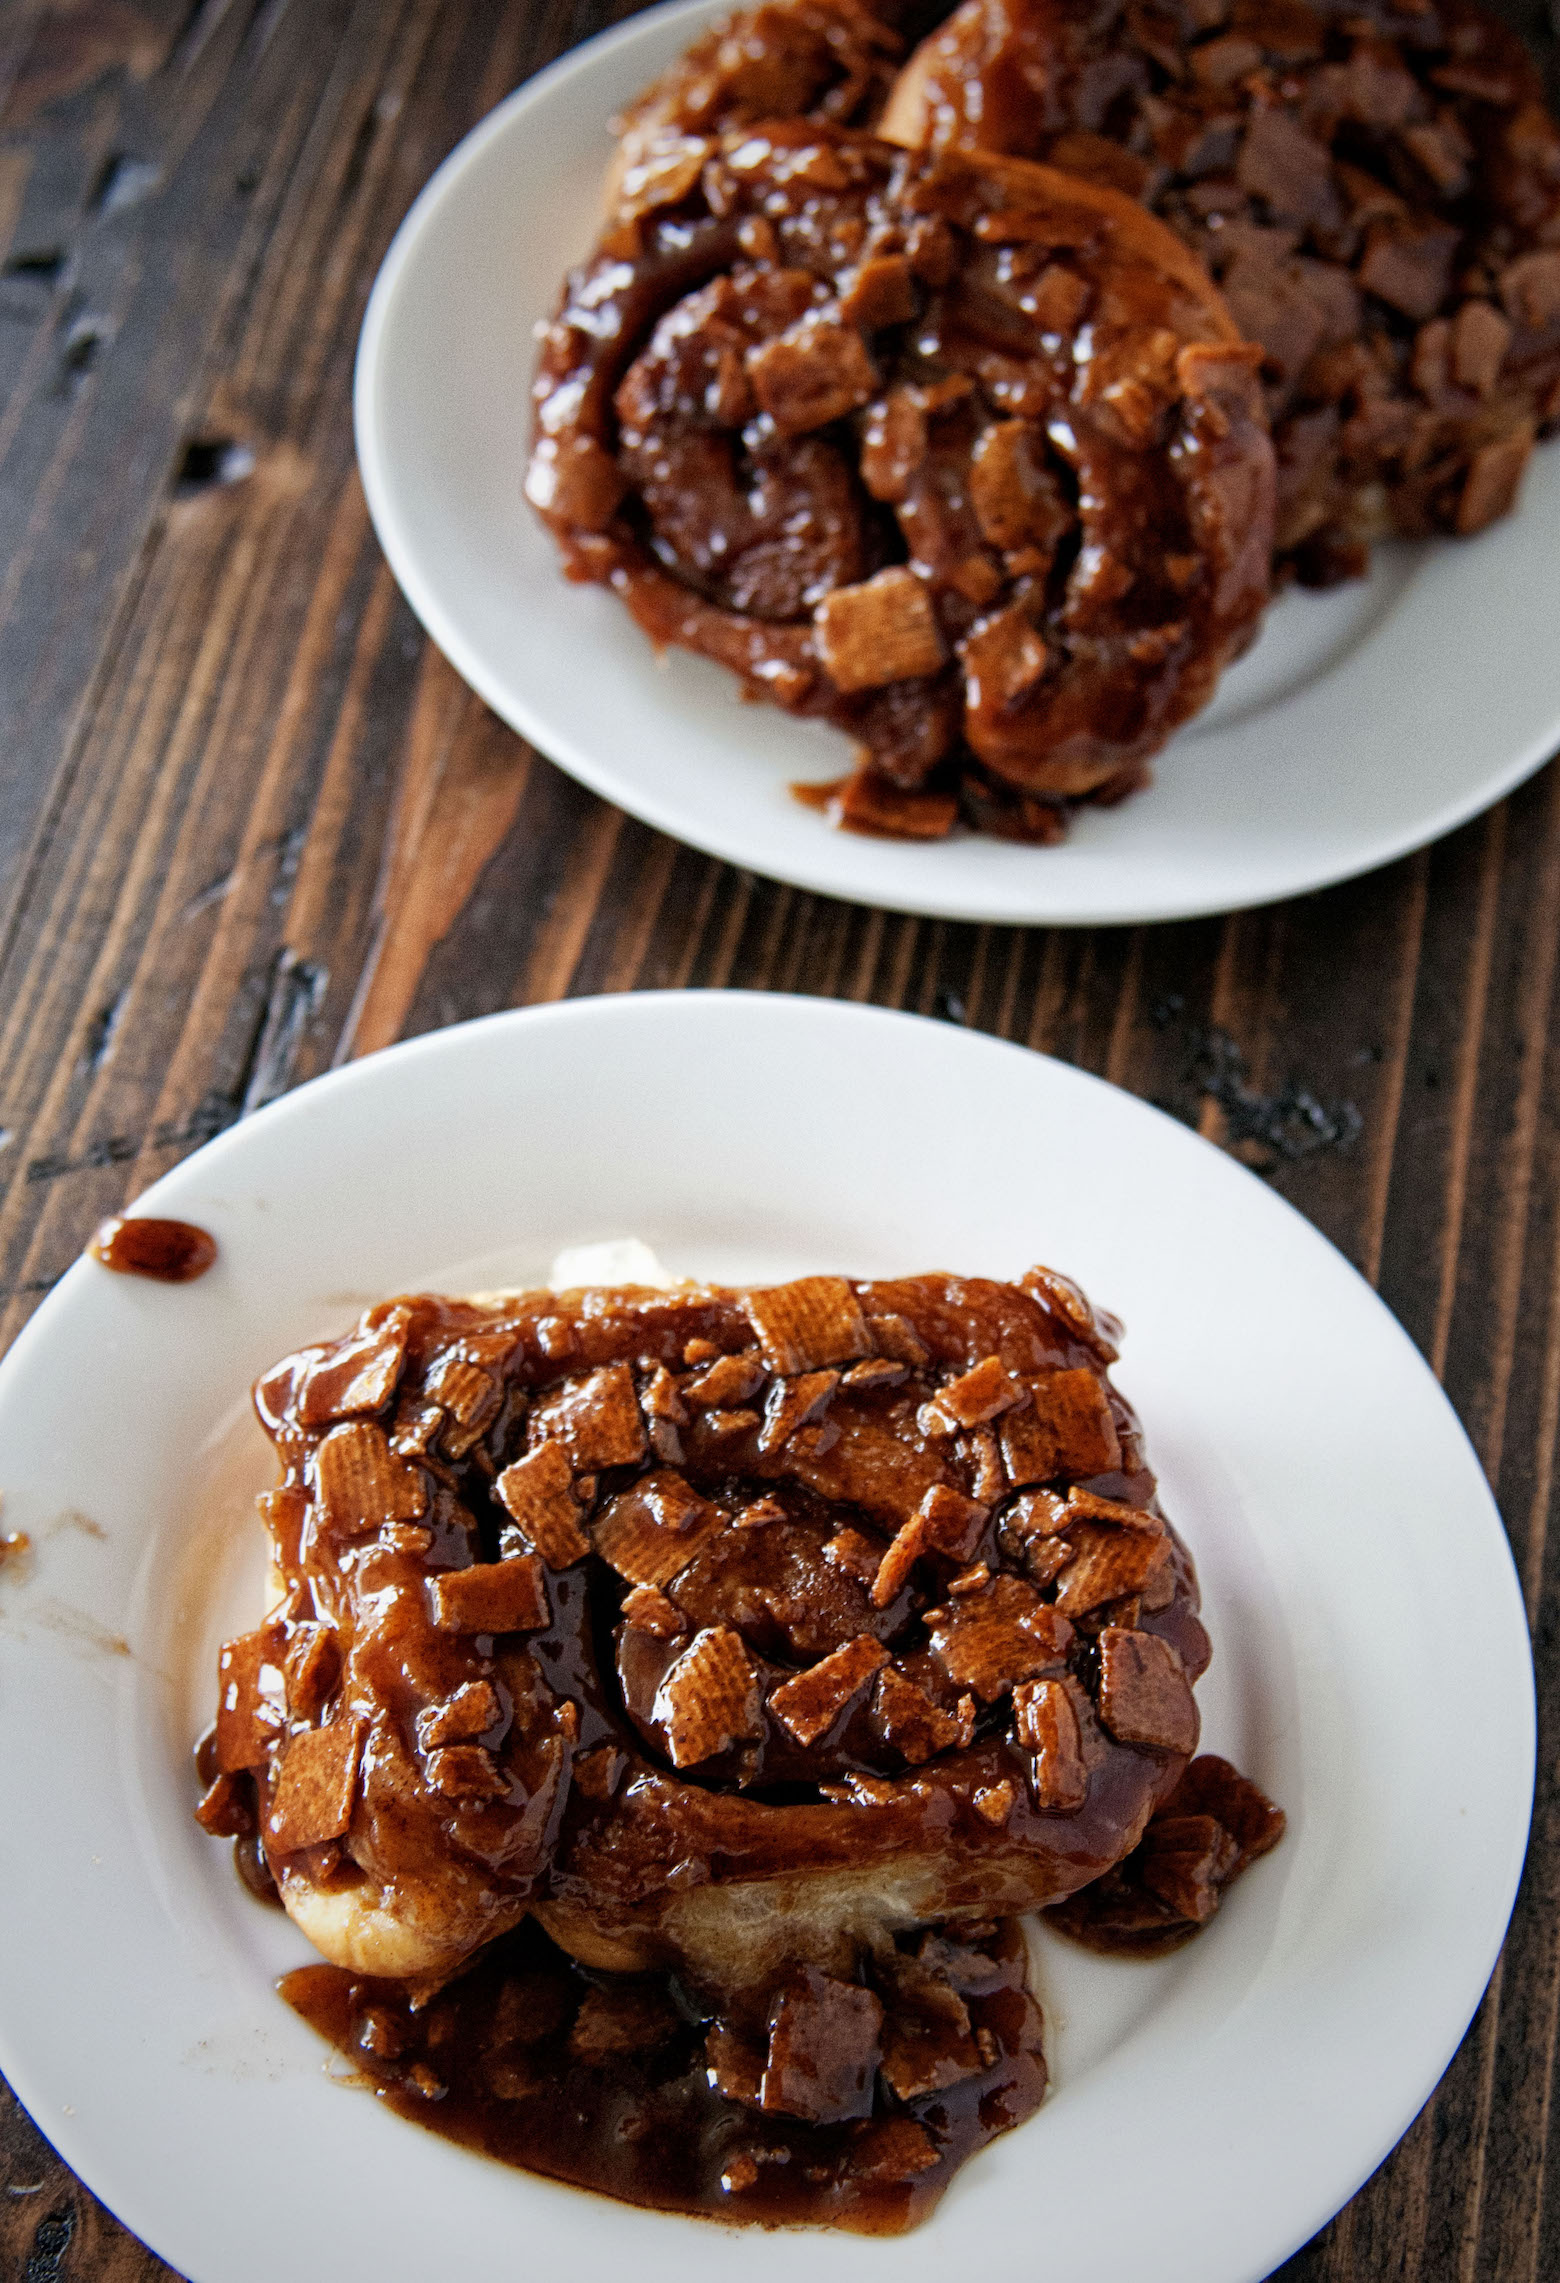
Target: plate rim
[644,801]
[140,2212]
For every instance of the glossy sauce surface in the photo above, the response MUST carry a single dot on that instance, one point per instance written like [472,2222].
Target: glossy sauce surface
[169,1252]
[603,2081]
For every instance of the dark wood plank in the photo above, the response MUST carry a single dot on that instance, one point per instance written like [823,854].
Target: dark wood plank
[252,824]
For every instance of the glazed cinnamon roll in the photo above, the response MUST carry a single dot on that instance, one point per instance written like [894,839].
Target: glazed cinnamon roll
[828,61]
[1376,189]
[785,1642]
[960,454]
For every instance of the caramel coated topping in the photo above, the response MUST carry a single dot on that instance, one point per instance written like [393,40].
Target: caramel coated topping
[525,1660]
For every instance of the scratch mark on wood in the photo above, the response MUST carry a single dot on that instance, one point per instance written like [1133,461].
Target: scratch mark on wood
[84,339]
[210,1116]
[124,181]
[52,2239]
[298,987]
[98,1044]
[45,268]
[212,460]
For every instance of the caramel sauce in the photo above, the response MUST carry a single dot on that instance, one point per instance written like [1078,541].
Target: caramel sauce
[170,1252]
[823,797]
[13,1544]
[502,2062]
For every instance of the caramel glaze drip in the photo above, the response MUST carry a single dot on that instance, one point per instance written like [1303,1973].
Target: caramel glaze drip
[604,2082]
[169,1252]
[629,1609]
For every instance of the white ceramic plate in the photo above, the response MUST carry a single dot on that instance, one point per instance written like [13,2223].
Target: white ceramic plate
[1366,722]
[1209,2111]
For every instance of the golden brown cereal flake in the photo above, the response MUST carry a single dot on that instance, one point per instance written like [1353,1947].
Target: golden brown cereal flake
[249,1685]
[360,1373]
[951,1522]
[1145,1697]
[537,1493]
[1044,1720]
[809,1324]
[1107,1564]
[1065,1430]
[1092,1508]
[980,1393]
[492,1597]
[470,1712]
[794,1403]
[596,1418]
[809,1705]
[990,1641]
[877,1371]
[359,1484]
[895,1336]
[727,1382]
[710,1699]
[909,1720]
[758,1513]
[469,1395]
[823,2049]
[466,1771]
[893,1571]
[316,1782]
[1095,1327]
[994,1803]
[662,1398]
[312,1668]
[653,1529]
[648,1609]
[895,2149]
[883,630]
[856,1554]
[816,371]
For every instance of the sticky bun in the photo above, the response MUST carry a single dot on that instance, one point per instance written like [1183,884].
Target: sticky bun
[1376,189]
[832,62]
[763,1652]
[958,453]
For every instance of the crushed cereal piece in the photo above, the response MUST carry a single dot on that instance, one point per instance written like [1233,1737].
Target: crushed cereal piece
[807,1325]
[710,1699]
[316,1783]
[1145,1697]
[360,1485]
[809,1705]
[1044,1721]
[596,1418]
[492,1597]
[537,1493]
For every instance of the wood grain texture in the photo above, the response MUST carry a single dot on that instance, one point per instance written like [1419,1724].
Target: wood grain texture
[252,824]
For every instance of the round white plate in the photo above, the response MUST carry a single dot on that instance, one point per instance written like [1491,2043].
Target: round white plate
[1209,2111]
[1365,723]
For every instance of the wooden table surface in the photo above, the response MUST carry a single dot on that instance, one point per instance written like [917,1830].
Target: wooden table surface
[252,824]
